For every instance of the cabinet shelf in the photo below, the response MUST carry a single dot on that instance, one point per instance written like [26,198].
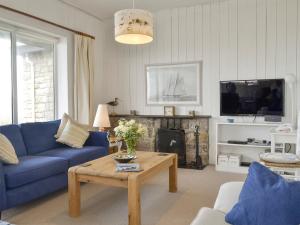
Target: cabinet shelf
[244,145]
[241,131]
[251,124]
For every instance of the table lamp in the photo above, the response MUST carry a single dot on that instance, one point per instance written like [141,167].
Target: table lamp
[102,117]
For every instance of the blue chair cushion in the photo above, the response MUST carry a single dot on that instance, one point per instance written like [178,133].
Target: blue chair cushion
[39,137]
[13,133]
[77,156]
[33,168]
[266,199]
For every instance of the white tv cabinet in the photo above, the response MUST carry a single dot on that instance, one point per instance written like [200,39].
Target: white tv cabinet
[240,132]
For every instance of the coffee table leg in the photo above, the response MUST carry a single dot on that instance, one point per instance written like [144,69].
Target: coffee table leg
[134,202]
[74,194]
[173,175]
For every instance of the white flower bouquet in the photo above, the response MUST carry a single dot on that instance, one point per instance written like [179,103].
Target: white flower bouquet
[131,132]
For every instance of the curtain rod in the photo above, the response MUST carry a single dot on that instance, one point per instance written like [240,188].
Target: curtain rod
[46,21]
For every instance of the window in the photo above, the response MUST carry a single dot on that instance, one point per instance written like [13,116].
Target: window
[27,90]
[5,78]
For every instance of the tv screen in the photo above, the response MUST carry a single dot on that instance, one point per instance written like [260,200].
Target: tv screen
[252,97]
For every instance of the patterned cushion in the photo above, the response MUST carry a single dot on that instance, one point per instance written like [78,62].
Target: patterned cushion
[73,135]
[63,123]
[7,151]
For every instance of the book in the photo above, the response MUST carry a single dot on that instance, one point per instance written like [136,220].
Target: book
[128,167]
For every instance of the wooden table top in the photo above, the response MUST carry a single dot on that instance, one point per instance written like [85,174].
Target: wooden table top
[106,166]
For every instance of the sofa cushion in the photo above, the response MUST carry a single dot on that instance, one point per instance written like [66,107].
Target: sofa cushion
[7,151]
[64,120]
[266,198]
[77,156]
[207,216]
[33,168]
[39,137]
[73,135]
[13,134]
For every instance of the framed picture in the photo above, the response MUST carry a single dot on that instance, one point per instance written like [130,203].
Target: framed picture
[169,110]
[174,84]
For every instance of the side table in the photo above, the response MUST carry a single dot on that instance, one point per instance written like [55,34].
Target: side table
[288,171]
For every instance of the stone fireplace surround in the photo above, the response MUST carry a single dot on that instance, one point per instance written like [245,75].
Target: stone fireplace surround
[187,123]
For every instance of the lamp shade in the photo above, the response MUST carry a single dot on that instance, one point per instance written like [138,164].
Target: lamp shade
[133,26]
[102,117]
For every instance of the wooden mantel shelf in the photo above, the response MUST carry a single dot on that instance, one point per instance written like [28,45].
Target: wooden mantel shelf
[162,116]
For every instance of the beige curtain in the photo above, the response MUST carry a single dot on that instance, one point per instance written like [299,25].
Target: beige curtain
[84,80]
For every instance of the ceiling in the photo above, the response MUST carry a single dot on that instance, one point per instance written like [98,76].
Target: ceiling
[104,9]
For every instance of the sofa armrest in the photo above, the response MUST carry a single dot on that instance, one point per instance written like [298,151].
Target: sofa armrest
[228,196]
[97,138]
[2,189]
[207,216]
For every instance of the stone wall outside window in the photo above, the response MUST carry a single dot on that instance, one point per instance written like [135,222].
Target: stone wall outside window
[38,92]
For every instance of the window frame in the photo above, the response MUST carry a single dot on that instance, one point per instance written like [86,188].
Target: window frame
[14,31]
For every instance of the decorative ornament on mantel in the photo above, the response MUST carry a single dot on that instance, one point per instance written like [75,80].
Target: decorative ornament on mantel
[133,26]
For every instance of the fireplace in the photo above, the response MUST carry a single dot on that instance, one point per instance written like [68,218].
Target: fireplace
[172,141]
[186,123]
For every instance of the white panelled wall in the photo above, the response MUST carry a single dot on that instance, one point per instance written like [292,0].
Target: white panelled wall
[235,39]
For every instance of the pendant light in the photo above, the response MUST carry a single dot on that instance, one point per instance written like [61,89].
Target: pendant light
[133,26]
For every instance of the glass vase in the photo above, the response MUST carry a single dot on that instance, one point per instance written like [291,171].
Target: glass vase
[131,148]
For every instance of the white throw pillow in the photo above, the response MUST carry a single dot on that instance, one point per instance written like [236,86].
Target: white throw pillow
[7,151]
[73,135]
[63,123]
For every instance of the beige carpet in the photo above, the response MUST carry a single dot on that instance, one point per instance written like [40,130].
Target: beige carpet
[102,205]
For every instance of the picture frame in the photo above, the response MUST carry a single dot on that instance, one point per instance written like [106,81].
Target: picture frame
[169,110]
[174,84]
[192,113]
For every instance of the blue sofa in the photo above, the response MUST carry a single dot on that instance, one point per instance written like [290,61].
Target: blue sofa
[43,163]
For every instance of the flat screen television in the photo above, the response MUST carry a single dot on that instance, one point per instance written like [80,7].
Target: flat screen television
[252,97]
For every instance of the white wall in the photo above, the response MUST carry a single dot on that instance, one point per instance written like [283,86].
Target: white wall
[57,12]
[235,39]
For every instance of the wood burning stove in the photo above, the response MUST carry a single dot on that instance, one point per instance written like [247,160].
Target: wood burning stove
[172,141]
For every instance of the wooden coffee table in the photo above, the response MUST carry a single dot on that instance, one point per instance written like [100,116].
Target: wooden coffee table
[103,171]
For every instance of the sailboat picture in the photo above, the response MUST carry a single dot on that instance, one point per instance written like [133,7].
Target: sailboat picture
[174,84]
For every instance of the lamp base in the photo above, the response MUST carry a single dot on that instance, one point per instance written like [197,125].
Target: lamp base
[103,129]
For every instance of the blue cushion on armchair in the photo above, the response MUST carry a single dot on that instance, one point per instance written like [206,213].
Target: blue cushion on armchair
[266,199]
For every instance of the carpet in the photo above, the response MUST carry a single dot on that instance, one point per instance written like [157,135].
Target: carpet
[103,205]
